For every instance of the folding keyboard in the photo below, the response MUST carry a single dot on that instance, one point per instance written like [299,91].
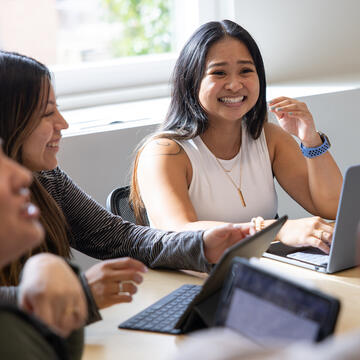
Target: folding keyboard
[164,314]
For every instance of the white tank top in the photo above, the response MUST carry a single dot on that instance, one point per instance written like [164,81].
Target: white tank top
[212,193]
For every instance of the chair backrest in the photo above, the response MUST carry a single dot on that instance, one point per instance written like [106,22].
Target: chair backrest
[118,203]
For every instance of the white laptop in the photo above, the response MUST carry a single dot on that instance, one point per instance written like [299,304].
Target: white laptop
[343,251]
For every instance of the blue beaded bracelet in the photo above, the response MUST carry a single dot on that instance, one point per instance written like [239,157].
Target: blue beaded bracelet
[316,151]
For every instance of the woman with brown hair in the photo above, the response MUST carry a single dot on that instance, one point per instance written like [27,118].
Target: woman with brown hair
[215,156]
[30,125]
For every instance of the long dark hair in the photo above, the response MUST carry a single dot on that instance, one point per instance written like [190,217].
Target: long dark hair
[186,118]
[24,90]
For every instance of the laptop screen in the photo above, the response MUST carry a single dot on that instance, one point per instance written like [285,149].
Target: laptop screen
[263,307]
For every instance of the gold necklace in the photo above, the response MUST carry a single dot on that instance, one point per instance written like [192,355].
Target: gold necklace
[238,188]
[230,170]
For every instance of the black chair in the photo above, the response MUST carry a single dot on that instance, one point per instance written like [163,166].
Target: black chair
[118,203]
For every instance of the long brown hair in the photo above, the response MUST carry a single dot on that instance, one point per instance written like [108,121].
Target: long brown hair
[186,118]
[25,85]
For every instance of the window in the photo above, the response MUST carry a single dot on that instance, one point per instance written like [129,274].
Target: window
[93,30]
[82,31]
[104,51]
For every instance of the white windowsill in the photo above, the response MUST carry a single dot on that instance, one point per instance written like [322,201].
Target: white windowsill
[117,116]
[152,111]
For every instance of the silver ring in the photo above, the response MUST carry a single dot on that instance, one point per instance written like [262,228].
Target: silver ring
[121,287]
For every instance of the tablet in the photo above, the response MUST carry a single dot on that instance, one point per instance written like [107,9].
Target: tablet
[192,307]
[251,246]
[264,306]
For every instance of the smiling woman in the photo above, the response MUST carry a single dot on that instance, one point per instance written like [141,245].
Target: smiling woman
[24,101]
[41,146]
[219,157]
[229,89]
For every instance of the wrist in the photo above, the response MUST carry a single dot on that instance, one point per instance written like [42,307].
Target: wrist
[93,310]
[312,142]
[312,152]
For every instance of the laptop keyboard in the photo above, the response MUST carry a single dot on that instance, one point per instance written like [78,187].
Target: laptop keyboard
[164,314]
[312,256]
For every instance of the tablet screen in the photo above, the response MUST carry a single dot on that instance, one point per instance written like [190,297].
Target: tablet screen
[262,307]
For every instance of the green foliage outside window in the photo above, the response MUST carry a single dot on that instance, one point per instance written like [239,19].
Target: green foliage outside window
[146,26]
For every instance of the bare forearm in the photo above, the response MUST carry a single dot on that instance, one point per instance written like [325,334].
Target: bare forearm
[325,181]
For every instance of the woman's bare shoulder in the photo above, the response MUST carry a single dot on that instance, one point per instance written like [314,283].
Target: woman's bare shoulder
[272,130]
[275,135]
[161,146]
[164,155]
[277,139]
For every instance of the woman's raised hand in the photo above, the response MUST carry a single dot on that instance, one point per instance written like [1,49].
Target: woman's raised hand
[295,118]
[312,231]
[114,281]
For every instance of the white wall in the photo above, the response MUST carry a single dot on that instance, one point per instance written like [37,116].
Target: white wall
[99,163]
[337,115]
[304,39]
